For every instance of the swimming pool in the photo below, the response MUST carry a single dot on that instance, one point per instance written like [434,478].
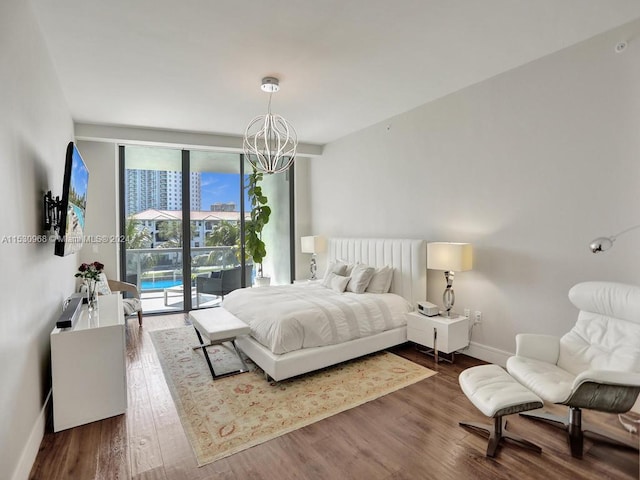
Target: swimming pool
[159,284]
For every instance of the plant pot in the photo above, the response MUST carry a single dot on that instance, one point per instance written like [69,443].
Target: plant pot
[262,281]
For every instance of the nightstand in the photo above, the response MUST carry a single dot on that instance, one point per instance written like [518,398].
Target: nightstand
[438,334]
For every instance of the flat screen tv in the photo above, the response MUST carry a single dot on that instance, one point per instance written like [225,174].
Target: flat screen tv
[73,204]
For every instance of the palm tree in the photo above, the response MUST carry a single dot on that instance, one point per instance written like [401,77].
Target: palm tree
[170,231]
[223,234]
[135,236]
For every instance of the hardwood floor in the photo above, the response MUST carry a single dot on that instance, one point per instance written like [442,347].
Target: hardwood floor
[409,434]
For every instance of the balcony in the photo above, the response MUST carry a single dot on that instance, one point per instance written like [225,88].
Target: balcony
[158,273]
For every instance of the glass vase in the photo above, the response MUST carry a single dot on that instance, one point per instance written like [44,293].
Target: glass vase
[92,294]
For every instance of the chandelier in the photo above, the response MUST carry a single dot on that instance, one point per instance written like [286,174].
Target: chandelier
[270,141]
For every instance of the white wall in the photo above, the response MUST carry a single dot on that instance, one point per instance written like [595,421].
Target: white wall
[102,206]
[302,214]
[35,127]
[529,166]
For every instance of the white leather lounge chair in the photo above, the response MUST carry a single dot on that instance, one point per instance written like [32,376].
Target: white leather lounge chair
[595,366]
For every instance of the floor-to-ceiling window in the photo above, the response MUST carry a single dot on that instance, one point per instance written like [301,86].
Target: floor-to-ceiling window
[217,209]
[170,195]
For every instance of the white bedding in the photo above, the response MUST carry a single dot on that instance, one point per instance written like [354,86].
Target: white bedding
[291,317]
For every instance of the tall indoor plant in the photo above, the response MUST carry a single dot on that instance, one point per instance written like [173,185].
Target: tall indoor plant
[260,212]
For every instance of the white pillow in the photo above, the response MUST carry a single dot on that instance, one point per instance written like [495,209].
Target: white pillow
[360,278]
[348,267]
[338,268]
[381,280]
[102,286]
[338,282]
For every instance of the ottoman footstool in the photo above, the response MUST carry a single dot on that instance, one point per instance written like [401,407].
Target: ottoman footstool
[496,394]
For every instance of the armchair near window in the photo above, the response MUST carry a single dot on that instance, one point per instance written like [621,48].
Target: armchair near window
[595,366]
[131,296]
[222,282]
[130,303]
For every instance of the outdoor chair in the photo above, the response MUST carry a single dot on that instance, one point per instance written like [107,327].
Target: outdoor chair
[222,282]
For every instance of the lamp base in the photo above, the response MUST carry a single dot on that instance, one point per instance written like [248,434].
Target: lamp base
[449,296]
[313,268]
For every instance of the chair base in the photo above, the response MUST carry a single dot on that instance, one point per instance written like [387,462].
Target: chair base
[499,432]
[576,431]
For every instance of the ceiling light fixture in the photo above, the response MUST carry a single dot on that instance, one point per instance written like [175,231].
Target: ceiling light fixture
[270,141]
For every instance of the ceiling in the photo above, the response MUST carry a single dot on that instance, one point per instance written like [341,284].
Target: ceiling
[196,65]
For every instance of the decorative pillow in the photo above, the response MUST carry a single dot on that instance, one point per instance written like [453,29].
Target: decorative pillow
[381,280]
[348,267]
[360,277]
[338,268]
[102,285]
[338,282]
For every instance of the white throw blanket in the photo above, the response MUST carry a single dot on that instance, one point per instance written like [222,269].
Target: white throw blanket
[290,317]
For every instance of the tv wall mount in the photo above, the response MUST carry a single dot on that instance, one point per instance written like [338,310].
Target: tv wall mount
[52,211]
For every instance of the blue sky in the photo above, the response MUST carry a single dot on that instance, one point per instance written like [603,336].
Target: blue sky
[220,187]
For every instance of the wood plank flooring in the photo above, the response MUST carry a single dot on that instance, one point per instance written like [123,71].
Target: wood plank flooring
[409,434]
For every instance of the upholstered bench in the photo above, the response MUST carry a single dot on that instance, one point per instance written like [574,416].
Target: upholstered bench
[218,326]
[496,394]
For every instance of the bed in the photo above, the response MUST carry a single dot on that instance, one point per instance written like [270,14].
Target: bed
[294,352]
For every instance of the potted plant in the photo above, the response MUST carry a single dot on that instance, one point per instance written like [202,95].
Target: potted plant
[260,211]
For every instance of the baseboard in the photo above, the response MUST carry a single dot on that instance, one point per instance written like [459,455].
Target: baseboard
[488,354]
[30,450]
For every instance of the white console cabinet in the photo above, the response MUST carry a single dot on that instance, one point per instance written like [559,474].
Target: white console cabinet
[88,366]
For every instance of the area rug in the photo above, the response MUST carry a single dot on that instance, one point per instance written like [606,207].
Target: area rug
[231,414]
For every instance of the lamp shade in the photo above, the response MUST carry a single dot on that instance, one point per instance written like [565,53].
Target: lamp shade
[450,257]
[313,244]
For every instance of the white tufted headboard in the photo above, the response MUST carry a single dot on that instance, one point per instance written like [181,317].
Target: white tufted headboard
[408,258]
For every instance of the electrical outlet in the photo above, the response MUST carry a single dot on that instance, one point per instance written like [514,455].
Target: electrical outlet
[467,312]
[477,316]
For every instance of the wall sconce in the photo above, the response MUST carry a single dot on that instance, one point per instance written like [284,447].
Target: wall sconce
[601,244]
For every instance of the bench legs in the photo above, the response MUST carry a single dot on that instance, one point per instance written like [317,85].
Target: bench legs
[497,433]
[204,346]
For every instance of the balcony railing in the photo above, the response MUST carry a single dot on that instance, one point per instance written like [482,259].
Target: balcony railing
[153,269]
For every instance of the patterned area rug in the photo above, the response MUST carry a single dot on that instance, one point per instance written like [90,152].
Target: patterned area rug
[225,416]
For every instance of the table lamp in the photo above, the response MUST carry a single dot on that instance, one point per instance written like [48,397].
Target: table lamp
[450,257]
[313,245]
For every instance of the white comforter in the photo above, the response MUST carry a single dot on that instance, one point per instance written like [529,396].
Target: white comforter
[290,317]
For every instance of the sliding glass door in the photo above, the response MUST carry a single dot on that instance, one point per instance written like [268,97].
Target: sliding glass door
[152,207]
[217,211]
[157,221]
